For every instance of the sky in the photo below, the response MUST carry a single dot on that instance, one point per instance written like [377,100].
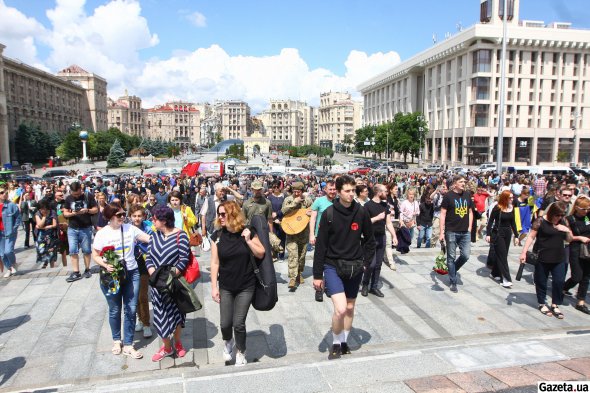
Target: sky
[201,51]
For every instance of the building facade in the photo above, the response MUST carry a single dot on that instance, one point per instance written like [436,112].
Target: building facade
[32,96]
[338,116]
[288,123]
[234,119]
[126,114]
[175,121]
[95,88]
[456,84]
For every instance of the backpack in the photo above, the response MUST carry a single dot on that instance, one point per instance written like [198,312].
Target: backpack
[265,295]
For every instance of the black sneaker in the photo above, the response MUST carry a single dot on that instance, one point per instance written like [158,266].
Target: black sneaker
[567,293]
[344,349]
[376,292]
[75,276]
[454,288]
[87,273]
[336,352]
[583,308]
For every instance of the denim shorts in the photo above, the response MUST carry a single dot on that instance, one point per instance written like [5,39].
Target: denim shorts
[334,284]
[80,238]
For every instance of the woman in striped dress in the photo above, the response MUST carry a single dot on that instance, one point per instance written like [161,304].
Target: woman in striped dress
[168,246]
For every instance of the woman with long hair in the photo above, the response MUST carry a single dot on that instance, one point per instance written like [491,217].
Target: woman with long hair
[46,239]
[552,236]
[184,218]
[123,238]
[168,246]
[409,210]
[579,222]
[501,226]
[101,201]
[231,268]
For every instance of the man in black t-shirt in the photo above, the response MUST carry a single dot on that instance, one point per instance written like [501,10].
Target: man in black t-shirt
[379,212]
[78,209]
[456,218]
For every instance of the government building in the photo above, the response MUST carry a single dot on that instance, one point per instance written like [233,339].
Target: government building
[456,84]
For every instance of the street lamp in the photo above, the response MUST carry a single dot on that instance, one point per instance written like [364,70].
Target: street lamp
[420,130]
[247,150]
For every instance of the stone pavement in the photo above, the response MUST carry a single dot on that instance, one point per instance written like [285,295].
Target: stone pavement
[55,335]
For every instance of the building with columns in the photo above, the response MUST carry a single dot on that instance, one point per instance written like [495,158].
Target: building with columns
[233,119]
[289,123]
[175,121]
[456,84]
[338,116]
[126,114]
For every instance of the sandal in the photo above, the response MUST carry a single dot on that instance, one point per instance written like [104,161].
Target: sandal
[545,310]
[116,350]
[558,314]
[128,350]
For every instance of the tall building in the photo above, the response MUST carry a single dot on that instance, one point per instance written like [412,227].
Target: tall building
[234,118]
[126,115]
[456,84]
[53,103]
[288,122]
[175,121]
[95,88]
[338,116]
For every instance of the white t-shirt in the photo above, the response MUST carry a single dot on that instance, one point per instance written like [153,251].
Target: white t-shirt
[108,236]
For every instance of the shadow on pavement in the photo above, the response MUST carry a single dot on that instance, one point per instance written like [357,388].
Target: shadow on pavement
[9,367]
[272,345]
[9,324]
[527,298]
[435,282]
[356,339]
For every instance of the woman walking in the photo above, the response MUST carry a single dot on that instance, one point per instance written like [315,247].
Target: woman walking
[123,238]
[184,218]
[409,210]
[579,222]
[231,268]
[501,226]
[168,246]
[46,228]
[551,256]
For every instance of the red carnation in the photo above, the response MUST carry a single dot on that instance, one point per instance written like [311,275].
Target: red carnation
[354,226]
[107,248]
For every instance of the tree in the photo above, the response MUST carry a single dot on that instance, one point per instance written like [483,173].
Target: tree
[116,155]
[406,133]
[563,156]
[71,147]
[32,144]
[173,150]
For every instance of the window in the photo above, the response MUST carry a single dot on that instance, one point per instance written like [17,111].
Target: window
[479,115]
[482,60]
[481,88]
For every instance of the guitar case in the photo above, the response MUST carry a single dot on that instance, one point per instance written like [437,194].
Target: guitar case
[265,297]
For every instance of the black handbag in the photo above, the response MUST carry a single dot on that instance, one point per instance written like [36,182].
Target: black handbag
[265,292]
[532,258]
[348,268]
[584,251]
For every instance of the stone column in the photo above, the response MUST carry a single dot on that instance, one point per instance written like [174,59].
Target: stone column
[512,150]
[534,150]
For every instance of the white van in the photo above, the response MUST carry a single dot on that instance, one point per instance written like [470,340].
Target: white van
[551,170]
[294,170]
[488,167]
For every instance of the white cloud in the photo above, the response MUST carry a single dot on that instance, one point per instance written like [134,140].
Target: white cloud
[197,19]
[18,33]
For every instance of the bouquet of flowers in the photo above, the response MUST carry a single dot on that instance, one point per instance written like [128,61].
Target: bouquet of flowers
[440,264]
[113,279]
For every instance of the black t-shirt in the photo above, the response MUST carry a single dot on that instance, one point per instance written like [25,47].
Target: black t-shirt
[457,206]
[235,268]
[74,204]
[374,209]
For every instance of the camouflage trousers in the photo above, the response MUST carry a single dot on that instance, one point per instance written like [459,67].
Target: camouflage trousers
[296,249]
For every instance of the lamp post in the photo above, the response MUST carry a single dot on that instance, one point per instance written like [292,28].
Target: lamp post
[575,116]
[420,131]
[502,113]
[247,151]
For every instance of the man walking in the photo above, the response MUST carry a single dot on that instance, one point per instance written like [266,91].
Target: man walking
[258,205]
[10,220]
[318,207]
[345,238]
[456,219]
[79,208]
[296,243]
[379,212]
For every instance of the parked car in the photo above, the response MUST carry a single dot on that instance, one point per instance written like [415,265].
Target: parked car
[168,172]
[433,168]
[360,171]
[50,174]
[385,169]
[320,173]
[293,170]
[26,178]
[399,165]
[458,170]
[250,172]
[584,171]
[487,167]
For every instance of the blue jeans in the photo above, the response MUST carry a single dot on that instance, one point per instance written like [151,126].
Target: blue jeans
[373,273]
[7,249]
[454,240]
[424,234]
[80,237]
[128,294]
[558,272]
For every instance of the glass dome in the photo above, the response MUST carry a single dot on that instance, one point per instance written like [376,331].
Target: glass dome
[222,146]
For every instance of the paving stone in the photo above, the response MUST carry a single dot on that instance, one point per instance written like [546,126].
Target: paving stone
[476,381]
[514,376]
[76,363]
[435,384]
[15,315]
[44,308]
[30,294]
[580,365]
[553,371]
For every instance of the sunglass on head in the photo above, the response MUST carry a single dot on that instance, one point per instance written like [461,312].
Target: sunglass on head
[121,215]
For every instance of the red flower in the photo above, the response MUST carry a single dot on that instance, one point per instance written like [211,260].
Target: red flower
[354,226]
[107,248]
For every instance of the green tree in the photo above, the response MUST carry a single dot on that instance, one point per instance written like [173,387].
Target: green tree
[116,155]
[71,147]
[563,156]
[236,151]
[173,150]
[406,133]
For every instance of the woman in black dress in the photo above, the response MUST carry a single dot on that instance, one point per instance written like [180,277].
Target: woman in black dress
[231,246]
[501,226]
[550,248]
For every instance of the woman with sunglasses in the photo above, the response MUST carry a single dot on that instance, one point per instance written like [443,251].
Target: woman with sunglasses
[579,222]
[123,237]
[551,236]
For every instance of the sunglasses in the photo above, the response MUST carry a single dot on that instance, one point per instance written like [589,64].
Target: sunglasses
[222,214]
[566,195]
[121,215]
[2,192]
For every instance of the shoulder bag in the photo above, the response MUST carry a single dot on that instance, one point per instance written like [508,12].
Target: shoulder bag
[584,252]
[193,271]
[265,292]
[194,237]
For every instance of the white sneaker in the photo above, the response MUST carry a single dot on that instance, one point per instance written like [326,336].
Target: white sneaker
[228,350]
[240,359]
[506,284]
[138,326]
[13,270]
[7,274]
[147,332]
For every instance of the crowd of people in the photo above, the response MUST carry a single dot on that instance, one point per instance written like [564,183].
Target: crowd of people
[354,223]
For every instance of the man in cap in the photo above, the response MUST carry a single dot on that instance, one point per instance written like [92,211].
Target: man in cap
[258,205]
[296,243]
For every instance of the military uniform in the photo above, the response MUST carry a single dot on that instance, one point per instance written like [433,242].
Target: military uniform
[253,207]
[296,244]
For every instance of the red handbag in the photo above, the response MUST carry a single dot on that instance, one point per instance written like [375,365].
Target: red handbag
[192,272]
